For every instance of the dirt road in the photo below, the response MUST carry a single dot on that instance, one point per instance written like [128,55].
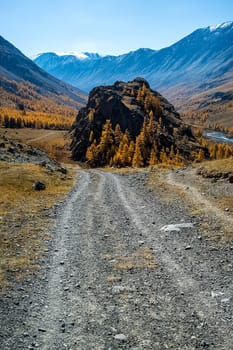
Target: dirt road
[117,277]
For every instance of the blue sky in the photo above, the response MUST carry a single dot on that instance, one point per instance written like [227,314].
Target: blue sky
[105,26]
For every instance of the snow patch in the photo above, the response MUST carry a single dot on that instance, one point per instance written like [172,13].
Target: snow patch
[34,57]
[220,26]
[176,227]
[79,55]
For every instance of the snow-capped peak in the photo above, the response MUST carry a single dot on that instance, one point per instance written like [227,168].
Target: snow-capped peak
[220,26]
[79,55]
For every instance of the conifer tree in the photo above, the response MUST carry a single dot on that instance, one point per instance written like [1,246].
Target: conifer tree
[153,157]
[125,155]
[179,160]
[131,152]
[105,149]
[92,154]
[121,155]
[163,156]
[137,158]
[117,135]
[200,156]
[116,160]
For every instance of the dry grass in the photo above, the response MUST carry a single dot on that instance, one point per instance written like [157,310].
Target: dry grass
[157,182]
[123,170]
[113,278]
[219,165]
[142,258]
[24,217]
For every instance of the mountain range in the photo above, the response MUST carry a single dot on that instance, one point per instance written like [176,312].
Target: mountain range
[199,63]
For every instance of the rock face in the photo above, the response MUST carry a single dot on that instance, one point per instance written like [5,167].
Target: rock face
[129,104]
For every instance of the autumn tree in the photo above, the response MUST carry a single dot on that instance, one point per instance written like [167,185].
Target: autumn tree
[117,135]
[92,154]
[131,152]
[121,157]
[105,148]
[137,158]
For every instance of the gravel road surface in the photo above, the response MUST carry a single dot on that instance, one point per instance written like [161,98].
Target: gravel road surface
[117,277]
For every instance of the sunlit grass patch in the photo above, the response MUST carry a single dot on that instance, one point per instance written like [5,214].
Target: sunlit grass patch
[157,182]
[113,278]
[140,259]
[219,165]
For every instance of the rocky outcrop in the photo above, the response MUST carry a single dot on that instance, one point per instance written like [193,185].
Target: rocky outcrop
[16,152]
[215,175]
[128,104]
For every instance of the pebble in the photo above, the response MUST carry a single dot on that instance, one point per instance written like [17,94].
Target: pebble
[113,329]
[213,249]
[36,345]
[43,330]
[204,344]
[120,337]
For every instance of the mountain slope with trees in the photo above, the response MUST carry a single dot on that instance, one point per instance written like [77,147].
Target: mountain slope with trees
[30,96]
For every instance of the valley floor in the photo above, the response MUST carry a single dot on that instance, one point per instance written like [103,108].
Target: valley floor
[116,276]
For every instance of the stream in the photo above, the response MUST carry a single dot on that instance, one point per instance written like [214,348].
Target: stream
[218,136]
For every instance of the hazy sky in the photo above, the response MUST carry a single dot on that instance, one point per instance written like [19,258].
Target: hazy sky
[105,26]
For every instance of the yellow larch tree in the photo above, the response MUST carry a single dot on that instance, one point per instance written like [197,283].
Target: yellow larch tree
[137,158]
[105,147]
[92,154]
